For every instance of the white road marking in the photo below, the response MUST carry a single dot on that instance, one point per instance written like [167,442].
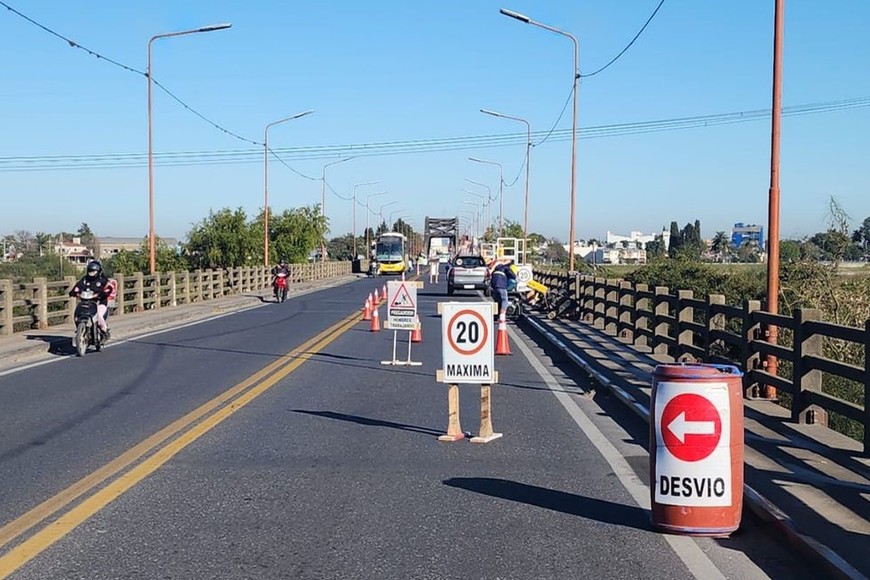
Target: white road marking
[685,548]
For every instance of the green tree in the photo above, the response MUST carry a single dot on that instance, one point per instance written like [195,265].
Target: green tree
[166,259]
[790,250]
[555,253]
[512,229]
[536,239]
[86,235]
[295,233]
[224,239]
[676,241]
[720,245]
[340,248]
[655,250]
[861,236]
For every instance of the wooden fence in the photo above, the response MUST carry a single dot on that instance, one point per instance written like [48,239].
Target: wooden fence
[41,304]
[686,328]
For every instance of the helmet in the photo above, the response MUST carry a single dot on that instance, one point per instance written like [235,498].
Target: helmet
[94,269]
[282,262]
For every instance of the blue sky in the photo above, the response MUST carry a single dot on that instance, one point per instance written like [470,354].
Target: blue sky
[383,71]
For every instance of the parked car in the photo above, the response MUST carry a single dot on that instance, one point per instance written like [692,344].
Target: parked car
[468,272]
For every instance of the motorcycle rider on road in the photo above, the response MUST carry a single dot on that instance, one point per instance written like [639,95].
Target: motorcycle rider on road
[281,268]
[97,282]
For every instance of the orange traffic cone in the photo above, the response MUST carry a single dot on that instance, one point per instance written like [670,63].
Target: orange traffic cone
[385,290]
[367,309]
[376,320]
[502,346]
[377,298]
[417,333]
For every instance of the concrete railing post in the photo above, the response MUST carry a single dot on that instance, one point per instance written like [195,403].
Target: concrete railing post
[714,322]
[6,307]
[641,316]
[806,379]
[140,291]
[625,310]
[660,308]
[220,282]
[173,296]
[70,309]
[749,359]
[685,337]
[40,300]
[156,284]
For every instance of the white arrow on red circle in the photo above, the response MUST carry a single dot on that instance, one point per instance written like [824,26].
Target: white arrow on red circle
[680,427]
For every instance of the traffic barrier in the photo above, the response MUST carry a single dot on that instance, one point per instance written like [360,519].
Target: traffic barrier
[502,345]
[417,333]
[376,321]
[696,449]
[367,308]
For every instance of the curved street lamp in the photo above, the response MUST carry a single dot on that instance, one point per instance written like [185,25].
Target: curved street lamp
[148,76]
[323,200]
[355,253]
[527,20]
[266,180]
[501,191]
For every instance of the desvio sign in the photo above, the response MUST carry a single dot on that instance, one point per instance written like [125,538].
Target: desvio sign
[693,453]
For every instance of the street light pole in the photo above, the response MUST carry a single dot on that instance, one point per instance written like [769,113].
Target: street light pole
[485,203]
[489,199]
[769,392]
[323,201]
[528,20]
[369,211]
[266,181]
[355,252]
[501,189]
[210,28]
[528,161]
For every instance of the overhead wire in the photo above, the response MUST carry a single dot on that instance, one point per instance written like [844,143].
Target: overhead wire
[623,51]
[99,56]
[219,157]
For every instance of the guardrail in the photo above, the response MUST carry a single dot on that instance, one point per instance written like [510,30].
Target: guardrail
[684,328]
[41,303]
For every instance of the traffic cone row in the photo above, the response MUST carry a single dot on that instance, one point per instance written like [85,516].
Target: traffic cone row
[502,346]
[417,333]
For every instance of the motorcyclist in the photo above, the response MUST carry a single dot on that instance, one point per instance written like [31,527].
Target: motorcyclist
[97,282]
[501,277]
[281,268]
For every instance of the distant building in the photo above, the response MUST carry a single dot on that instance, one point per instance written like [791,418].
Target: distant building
[73,250]
[624,252]
[108,247]
[742,233]
[638,237]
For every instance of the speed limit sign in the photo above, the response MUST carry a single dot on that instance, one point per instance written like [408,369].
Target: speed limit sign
[467,342]
[524,276]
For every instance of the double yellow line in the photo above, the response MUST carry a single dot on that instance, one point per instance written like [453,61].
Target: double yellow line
[145,458]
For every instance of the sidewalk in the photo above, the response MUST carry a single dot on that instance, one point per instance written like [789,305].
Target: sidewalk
[35,345]
[808,482]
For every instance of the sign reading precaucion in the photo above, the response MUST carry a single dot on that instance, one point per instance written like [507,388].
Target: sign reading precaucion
[401,305]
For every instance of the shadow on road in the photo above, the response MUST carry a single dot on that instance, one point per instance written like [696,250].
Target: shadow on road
[57,345]
[369,422]
[560,501]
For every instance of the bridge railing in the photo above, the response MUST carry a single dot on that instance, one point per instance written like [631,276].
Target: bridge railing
[677,326]
[40,304]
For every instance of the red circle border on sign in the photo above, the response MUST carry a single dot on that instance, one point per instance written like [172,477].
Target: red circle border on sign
[454,346]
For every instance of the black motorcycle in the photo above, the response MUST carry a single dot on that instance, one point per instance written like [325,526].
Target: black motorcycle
[87,331]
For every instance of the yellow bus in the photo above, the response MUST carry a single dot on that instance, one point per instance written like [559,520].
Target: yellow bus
[390,253]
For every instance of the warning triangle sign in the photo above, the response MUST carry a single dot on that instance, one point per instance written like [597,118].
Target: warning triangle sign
[403,298]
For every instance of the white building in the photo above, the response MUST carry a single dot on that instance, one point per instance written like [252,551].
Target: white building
[73,250]
[638,237]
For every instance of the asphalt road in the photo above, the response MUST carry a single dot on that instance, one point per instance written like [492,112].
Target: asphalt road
[274,444]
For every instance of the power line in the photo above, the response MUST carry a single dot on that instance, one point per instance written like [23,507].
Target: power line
[99,56]
[636,36]
[553,128]
[285,164]
[190,158]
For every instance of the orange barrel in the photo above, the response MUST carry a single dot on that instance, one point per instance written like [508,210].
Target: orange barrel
[696,449]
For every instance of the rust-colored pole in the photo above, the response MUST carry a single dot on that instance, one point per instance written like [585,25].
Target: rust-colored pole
[769,392]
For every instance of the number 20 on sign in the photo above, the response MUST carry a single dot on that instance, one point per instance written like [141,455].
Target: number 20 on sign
[467,344]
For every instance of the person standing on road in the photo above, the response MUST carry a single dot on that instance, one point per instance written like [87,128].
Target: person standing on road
[500,277]
[434,266]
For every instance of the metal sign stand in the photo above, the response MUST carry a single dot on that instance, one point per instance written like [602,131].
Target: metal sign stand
[409,362]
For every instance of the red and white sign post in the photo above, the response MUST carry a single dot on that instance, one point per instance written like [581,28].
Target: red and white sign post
[402,315]
[468,357]
[696,465]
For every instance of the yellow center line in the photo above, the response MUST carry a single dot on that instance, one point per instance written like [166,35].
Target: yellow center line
[239,395]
